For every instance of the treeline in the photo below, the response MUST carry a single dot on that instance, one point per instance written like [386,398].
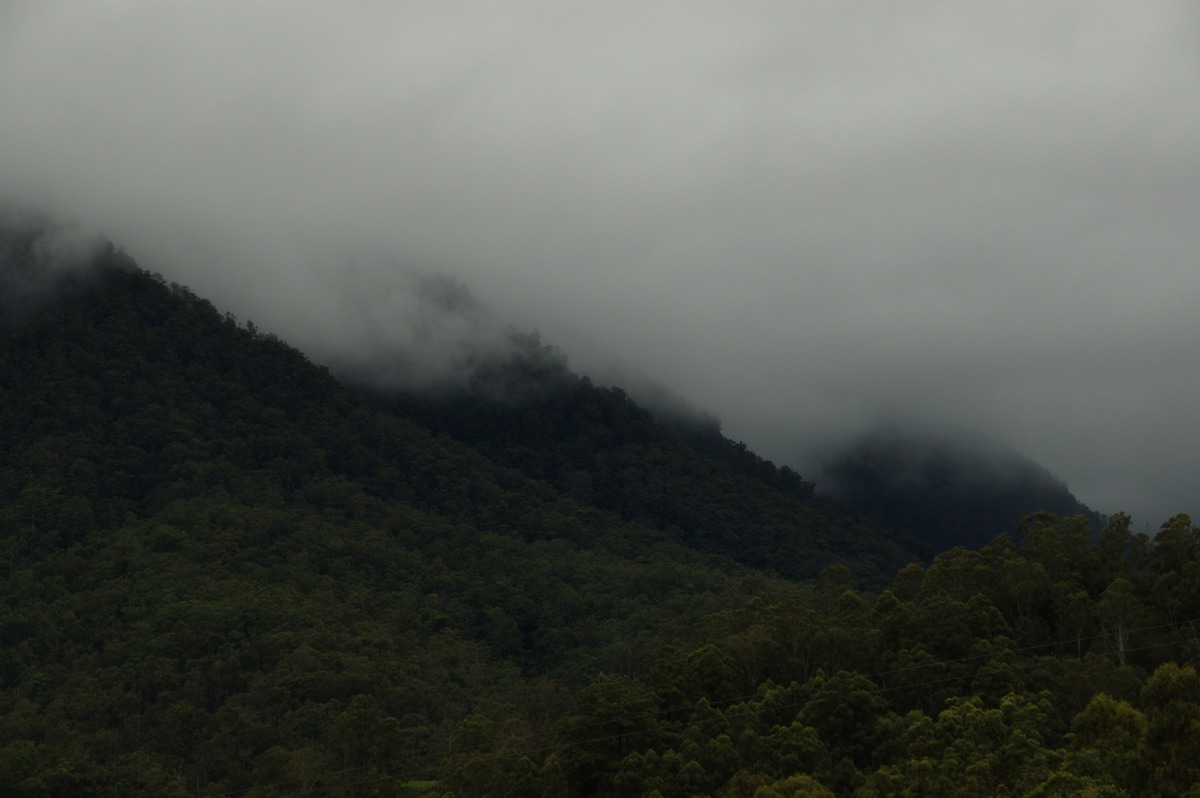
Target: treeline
[597,446]
[1042,665]
[942,490]
[209,549]
[224,573]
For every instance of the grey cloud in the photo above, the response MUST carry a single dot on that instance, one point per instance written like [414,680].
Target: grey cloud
[804,217]
[40,258]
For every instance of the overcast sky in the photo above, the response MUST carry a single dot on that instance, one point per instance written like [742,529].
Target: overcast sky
[805,217]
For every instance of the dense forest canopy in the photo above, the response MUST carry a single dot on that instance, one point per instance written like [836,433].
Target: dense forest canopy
[223,572]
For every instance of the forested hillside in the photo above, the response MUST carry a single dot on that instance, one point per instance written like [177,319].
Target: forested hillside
[596,445]
[222,572]
[202,528]
[1038,666]
[944,491]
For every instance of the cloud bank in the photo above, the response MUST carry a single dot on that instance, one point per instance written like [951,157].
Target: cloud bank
[807,218]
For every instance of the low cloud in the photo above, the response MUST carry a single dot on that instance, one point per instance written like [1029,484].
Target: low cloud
[39,258]
[803,218]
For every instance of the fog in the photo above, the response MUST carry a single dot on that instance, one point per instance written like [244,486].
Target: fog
[805,218]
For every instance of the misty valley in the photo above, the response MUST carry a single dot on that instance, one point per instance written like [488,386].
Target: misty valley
[226,570]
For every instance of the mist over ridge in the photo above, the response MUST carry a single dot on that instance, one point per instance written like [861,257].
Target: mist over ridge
[957,489]
[803,221]
[407,332]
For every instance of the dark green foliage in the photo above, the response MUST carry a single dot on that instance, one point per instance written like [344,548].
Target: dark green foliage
[973,678]
[222,573]
[218,567]
[597,446]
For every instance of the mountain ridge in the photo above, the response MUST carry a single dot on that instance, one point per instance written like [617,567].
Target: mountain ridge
[198,523]
[223,569]
[946,490]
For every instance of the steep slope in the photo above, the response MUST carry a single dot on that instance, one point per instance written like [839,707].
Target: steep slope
[213,555]
[599,447]
[222,572]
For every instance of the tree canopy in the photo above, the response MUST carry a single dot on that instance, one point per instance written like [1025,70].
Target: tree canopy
[223,572]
